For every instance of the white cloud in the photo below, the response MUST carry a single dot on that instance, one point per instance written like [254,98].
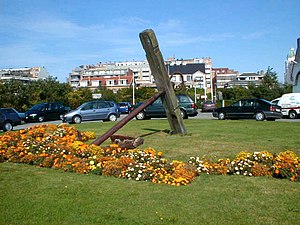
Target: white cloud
[132,21]
[188,39]
[254,35]
[171,25]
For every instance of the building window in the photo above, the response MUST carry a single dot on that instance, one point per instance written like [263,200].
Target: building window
[110,82]
[95,83]
[122,82]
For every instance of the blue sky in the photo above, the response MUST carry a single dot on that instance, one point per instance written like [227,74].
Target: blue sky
[243,35]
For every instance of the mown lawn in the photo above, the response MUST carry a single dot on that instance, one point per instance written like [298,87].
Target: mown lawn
[210,138]
[31,195]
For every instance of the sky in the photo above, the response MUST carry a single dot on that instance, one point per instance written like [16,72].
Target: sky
[243,35]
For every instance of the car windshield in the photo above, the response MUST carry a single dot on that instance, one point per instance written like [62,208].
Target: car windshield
[183,98]
[37,107]
[236,104]
[8,110]
[264,100]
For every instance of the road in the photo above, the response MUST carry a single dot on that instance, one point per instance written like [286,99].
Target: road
[206,115]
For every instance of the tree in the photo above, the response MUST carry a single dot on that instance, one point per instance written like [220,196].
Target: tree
[269,88]
[78,97]
[107,94]
[125,95]
[270,79]
[144,93]
[12,94]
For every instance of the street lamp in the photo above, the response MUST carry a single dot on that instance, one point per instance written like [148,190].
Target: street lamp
[195,91]
[133,90]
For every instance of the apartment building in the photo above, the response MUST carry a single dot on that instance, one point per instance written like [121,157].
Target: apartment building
[246,79]
[226,78]
[25,74]
[119,75]
[222,76]
[114,75]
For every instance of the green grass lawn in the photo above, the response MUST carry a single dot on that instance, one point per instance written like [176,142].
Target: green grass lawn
[31,195]
[210,138]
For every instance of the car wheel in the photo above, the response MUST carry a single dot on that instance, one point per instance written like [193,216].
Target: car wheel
[7,126]
[40,119]
[112,117]
[292,114]
[221,116]
[141,116]
[183,114]
[259,116]
[77,119]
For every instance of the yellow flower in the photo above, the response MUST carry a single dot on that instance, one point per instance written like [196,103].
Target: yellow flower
[160,154]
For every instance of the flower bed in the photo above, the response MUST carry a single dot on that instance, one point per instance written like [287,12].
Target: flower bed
[63,147]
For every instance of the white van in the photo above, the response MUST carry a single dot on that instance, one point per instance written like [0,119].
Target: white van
[290,105]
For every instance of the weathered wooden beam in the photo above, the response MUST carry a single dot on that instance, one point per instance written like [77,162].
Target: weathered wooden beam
[125,120]
[162,80]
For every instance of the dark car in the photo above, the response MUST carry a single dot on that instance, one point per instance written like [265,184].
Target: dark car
[45,111]
[255,108]
[208,106]
[124,107]
[156,110]
[8,119]
[93,110]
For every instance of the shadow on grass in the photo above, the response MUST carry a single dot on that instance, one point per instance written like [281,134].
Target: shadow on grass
[155,131]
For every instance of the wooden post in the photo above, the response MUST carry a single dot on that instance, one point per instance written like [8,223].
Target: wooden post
[162,80]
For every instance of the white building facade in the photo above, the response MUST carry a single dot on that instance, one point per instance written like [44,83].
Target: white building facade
[118,75]
[25,74]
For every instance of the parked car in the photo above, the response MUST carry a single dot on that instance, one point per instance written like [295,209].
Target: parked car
[275,101]
[93,110]
[156,110]
[8,119]
[45,111]
[290,105]
[208,106]
[259,109]
[20,114]
[124,107]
